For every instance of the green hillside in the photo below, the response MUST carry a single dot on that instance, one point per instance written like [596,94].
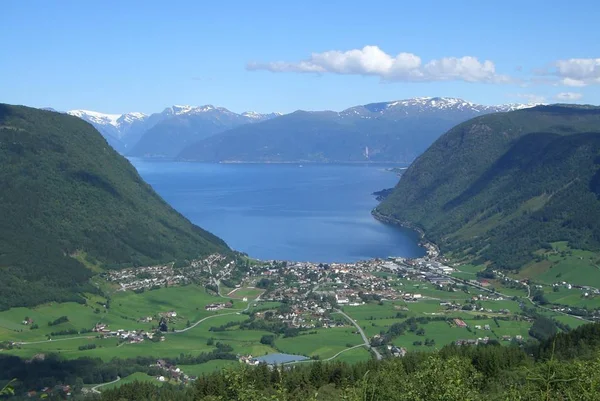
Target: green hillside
[504,185]
[66,192]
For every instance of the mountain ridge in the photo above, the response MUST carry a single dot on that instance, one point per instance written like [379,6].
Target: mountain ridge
[67,192]
[396,131]
[474,206]
[124,131]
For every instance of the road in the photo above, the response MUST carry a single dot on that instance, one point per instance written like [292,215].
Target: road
[362,334]
[54,340]
[324,360]
[552,310]
[212,316]
[95,388]
[510,297]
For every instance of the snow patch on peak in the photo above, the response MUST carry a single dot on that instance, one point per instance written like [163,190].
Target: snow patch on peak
[136,115]
[436,102]
[130,118]
[179,110]
[96,117]
[518,106]
[253,115]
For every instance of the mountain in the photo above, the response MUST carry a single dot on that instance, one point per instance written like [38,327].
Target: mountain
[122,131]
[69,200]
[180,126]
[177,126]
[502,186]
[392,131]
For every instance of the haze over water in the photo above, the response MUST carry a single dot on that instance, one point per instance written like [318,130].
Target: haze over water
[318,212]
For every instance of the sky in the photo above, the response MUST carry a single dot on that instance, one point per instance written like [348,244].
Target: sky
[265,56]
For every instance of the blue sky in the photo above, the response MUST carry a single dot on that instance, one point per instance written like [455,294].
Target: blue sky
[121,56]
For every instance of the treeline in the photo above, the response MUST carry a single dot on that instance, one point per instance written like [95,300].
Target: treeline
[565,367]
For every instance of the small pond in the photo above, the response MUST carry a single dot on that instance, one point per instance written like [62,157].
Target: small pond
[280,358]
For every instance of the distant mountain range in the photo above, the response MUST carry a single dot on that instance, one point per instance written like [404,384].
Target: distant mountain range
[392,131]
[389,131]
[165,134]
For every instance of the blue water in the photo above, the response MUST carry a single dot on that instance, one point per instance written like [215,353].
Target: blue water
[280,358]
[317,213]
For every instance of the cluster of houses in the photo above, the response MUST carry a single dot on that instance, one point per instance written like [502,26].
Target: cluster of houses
[248,360]
[306,314]
[472,341]
[148,277]
[397,352]
[218,306]
[485,340]
[130,336]
[45,392]
[171,372]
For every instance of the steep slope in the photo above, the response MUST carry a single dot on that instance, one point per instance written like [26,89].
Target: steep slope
[183,125]
[391,131]
[65,191]
[502,186]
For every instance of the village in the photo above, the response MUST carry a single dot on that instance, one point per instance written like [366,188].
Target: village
[310,291]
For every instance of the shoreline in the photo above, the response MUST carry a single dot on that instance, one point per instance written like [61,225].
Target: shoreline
[402,164]
[431,249]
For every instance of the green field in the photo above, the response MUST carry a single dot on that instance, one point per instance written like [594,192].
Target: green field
[468,268]
[136,377]
[359,354]
[325,344]
[208,367]
[574,266]
[126,308]
[246,292]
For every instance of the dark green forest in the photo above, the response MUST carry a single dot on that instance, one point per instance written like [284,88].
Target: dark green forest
[510,184]
[65,191]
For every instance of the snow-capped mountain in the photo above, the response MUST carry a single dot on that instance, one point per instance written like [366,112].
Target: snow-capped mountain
[427,105]
[260,117]
[124,131]
[396,131]
[180,125]
[419,121]
[121,122]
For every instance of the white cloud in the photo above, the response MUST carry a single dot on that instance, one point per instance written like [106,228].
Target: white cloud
[372,61]
[530,97]
[575,72]
[573,82]
[568,96]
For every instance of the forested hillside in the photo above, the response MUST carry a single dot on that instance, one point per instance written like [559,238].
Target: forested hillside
[66,192]
[501,186]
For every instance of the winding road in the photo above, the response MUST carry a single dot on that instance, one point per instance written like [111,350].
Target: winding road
[95,388]
[222,314]
[326,359]
[362,334]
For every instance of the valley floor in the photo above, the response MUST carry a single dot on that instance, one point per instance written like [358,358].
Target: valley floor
[223,312]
